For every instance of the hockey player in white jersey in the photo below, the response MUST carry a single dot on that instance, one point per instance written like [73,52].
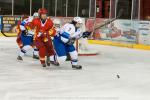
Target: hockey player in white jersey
[27,37]
[63,42]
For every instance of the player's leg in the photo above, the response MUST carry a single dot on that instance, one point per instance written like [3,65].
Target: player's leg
[53,60]
[74,57]
[42,55]
[60,50]
[42,51]
[19,42]
[35,53]
[51,53]
[23,51]
[26,41]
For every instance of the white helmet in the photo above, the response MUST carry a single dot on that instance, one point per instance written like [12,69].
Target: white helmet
[78,20]
[35,14]
[57,21]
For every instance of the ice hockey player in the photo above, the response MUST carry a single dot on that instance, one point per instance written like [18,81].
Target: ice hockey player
[43,32]
[64,41]
[58,24]
[18,30]
[26,37]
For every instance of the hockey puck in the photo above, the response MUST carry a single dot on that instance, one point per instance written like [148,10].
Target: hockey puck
[118,76]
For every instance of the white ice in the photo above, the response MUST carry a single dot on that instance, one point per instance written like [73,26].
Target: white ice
[97,80]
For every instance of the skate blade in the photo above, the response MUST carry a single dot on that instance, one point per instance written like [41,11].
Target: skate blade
[77,68]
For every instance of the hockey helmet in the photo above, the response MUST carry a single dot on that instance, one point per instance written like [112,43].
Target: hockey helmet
[42,11]
[78,20]
[35,14]
[57,21]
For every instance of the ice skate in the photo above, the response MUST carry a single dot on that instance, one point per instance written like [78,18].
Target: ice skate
[55,63]
[44,65]
[35,56]
[48,61]
[76,66]
[19,58]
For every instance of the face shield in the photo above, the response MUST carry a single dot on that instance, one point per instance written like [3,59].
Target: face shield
[43,16]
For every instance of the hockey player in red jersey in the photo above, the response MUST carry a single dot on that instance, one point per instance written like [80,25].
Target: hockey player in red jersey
[42,38]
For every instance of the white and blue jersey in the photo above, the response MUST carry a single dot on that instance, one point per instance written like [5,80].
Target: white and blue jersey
[27,38]
[60,42]
[68,31]
[24,22]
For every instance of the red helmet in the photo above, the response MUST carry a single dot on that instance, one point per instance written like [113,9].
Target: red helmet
[42,11]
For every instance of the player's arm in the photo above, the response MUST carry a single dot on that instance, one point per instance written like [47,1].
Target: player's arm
[64,36]
[23,26]
[65,33]
[79,34]
[52,32]
[36,29]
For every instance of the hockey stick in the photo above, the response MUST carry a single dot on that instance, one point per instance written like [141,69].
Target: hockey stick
[6,35]
[106,23]
[109,21]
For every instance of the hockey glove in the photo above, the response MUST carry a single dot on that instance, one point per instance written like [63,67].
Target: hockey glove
[39,34]
[71,41]
[86,34]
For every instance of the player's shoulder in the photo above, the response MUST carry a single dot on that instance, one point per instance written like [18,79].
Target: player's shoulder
[49,19]
[30,18]
[36,20]
[69,25]
[69,28]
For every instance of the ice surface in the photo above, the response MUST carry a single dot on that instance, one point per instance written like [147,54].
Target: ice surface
[27,80]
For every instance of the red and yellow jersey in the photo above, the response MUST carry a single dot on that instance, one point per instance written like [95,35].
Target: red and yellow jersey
[46,28]
[29,26]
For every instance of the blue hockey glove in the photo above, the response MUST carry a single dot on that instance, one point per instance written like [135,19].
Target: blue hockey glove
[86,34]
